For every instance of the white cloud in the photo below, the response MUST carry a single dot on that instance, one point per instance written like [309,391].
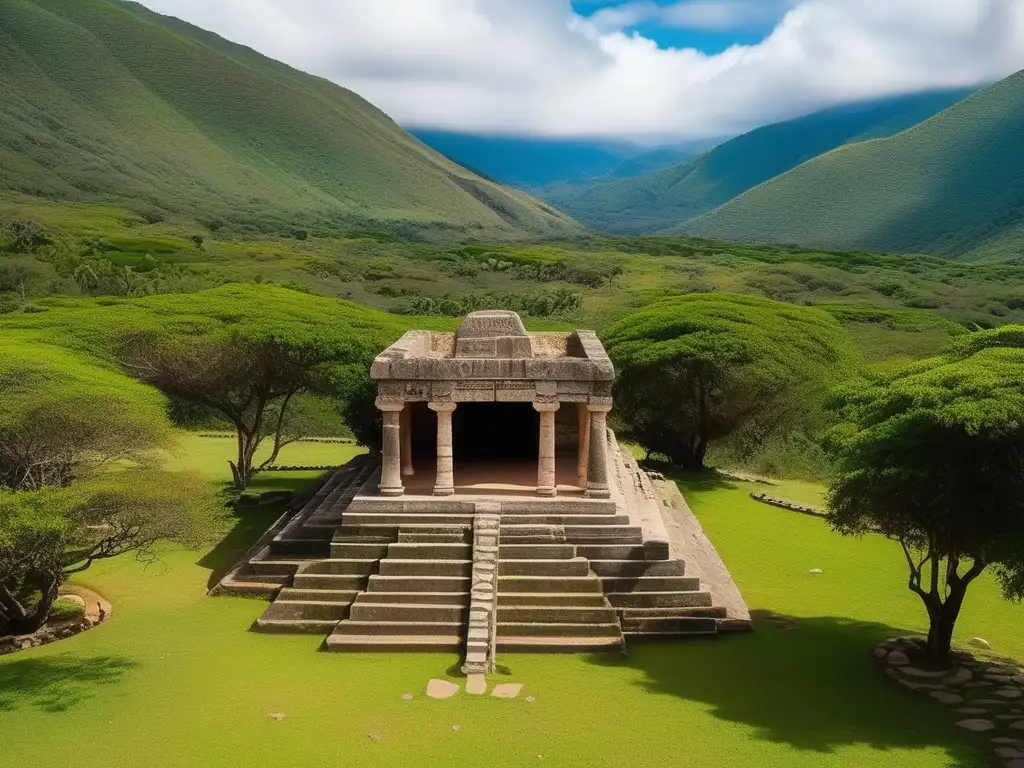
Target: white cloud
[536,66]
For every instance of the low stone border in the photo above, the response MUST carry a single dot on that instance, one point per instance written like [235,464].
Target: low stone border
[287,468]
[764,498]
[986,697]
[97,611]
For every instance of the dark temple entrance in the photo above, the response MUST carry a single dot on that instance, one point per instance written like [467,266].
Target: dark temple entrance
[495,432]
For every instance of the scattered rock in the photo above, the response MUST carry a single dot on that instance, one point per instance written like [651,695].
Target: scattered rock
[972,711]
[915,672]
[476,684]
[1018,679]
[816,571]
[441,689]
[980,642]
[977,725]
[990,702]
[1018,726]
[881,652]
[276,715]
[531,699]
[1009,693]
[898,659]
[1011,742]
[507,690]
[998,678]
[959,676]
[76,599]
[947,698]
[374,737]
[406,697]
[456,728]
[1010,753]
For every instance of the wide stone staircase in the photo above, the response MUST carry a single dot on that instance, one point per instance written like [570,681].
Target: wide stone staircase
[572,574]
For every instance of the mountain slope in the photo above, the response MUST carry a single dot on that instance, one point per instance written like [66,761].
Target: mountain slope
[107,101]
[952,185]
[665,198]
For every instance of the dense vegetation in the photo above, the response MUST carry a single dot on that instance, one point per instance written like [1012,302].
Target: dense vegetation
[933,457]
[950,185]
[666,198]
[711,367]
[107,101]
[895,307]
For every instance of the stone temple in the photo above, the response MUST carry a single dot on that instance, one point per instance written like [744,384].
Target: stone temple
[500,516]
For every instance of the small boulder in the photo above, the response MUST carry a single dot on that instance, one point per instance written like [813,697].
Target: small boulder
[977,725]
[898,659]
[816,571]
[276,716]
[981,642]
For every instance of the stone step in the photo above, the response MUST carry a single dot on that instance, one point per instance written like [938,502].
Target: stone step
[342,567]
[304,610]
[659,599]
[426,551]
[295,626]
[539,551]
[403,567]
[664,626]
[560,505]
[318,595]
[407,518]
[634,568]
[360,534]
[369,628]
[365,611]
[581,599]
[572,520]
[307,547]
[557,629]
[383,583]
[266,564]
[395,643]
[561,584]
[342,550]
[711,611]
[432,537]
[433,598]
[328,581]
[651,584]
[611,551]
[525,614]
[541,644]
[575,567]
[597,534]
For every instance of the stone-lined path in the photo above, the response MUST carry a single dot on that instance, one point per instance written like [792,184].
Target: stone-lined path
[985,697]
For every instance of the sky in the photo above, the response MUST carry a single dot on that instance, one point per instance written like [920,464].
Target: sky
[645,70]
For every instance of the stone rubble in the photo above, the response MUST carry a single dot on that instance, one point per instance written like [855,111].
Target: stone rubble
[988,695]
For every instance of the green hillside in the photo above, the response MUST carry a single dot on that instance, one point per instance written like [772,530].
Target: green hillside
[663,199]
[107,102]
[953,185]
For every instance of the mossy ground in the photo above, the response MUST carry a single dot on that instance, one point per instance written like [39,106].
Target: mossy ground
[175,678]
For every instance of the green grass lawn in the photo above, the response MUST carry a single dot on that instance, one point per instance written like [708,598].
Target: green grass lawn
[176,679]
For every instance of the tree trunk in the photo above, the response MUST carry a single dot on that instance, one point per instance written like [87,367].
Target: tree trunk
[26,624]
[942,618]
[241,468]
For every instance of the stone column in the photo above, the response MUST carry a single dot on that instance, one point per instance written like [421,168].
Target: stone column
[391,449]
[582,444]
[444,484]
[597,469]
[407,469]
[546,483]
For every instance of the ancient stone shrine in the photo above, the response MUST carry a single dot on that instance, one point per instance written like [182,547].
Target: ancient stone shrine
[501,514]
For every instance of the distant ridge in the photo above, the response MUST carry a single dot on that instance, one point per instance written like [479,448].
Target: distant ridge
[667,198]
[953,185]
[107,101]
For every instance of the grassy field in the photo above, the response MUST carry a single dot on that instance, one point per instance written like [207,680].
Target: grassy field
[176,679]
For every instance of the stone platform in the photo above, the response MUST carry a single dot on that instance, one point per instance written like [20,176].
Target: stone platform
[567,573]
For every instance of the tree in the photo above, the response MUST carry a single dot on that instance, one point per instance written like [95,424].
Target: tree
[25,236]
[933,457]
[48,535]
[63,416]
[695,369]
[249,353]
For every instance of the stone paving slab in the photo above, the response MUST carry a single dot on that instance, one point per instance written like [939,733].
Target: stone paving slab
[441,689]
[507,690]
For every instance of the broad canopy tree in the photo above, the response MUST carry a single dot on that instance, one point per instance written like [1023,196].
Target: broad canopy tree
[246,354]
[933,457]
[695,369]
